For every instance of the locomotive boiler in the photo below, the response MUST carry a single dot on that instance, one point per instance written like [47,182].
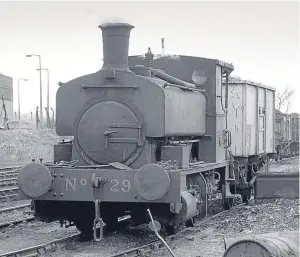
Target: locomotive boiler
[142,139]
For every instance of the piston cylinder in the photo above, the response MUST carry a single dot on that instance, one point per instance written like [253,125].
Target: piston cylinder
[282,244]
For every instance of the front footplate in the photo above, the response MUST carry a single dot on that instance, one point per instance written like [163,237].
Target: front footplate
[150,183]
[276,185]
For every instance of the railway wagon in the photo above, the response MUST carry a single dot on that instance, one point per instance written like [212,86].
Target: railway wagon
[295,120]
[251,119]
[149,133]
[287,134]
[282,126]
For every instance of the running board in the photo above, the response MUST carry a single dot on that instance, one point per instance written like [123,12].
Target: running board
[276,185]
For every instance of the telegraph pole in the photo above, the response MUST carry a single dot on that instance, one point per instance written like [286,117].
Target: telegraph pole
[47,110]
[162,46]
[41,94]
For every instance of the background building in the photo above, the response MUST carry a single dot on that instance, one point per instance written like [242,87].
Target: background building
[6,89]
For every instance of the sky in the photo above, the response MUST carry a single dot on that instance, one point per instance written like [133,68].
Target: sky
[261,39]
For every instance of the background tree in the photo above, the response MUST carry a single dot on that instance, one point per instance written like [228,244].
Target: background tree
[283,101]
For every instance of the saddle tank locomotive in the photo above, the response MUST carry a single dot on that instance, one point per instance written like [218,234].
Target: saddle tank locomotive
[141,139]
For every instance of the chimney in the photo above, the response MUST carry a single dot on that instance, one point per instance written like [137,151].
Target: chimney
[115,45]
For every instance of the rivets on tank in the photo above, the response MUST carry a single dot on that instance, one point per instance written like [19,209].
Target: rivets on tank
[61,194]
[62,175]
[135,196]
[55,194]
[55,175]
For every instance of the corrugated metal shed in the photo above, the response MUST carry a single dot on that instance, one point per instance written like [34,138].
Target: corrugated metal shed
[6,89]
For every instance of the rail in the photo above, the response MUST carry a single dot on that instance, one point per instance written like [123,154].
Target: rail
[36,250]
[23,206]
[16,221]
[132,252]
[13,222]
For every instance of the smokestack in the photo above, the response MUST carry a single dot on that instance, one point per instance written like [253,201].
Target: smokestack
[115,45]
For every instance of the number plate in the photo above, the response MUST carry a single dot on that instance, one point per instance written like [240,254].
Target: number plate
[75,185]
[117,186]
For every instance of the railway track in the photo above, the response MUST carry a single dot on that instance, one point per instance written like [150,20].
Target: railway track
[42,248]
[51,246]
[8,183]
[17,207]
[284,160]
[8,193]
[15,221]
[9,174]
[12,181]
[10,170]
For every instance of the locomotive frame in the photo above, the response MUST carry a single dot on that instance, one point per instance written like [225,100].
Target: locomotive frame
[135,147]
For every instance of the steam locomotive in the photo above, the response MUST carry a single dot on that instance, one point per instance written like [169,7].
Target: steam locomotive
[148,133]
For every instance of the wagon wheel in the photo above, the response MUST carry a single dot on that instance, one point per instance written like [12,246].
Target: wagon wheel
[227,202]
[246,198]
[169,229]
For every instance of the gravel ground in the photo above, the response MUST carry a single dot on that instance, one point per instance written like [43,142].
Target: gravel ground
[287,166]
[13,215]
[34,233]
[13,203]
[207,238]
[22,145]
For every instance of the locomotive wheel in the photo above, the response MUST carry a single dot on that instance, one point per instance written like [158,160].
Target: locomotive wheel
[245,198]
[111,222]
[85,227]
[197,182]
[228,203]
[169,230]
[190,223]
[137,218]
